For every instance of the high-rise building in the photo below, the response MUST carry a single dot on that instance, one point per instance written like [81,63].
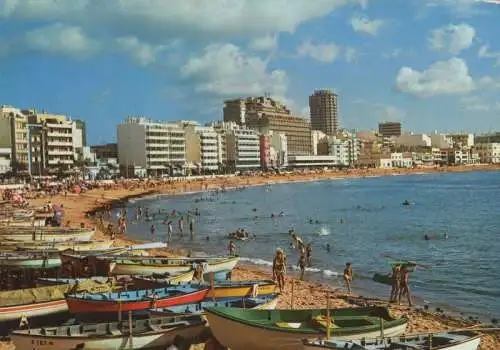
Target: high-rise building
[265,115]
[108,150]
[389,129]
[81,125]
[157,147]
[202,147]
[323,107]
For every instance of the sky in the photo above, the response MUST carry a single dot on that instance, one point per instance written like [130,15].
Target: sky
[431,64]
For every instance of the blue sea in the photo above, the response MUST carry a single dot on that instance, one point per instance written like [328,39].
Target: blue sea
[364,222]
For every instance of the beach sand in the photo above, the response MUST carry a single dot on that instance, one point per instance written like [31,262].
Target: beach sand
[305,294]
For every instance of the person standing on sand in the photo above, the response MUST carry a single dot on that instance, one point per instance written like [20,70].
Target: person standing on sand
[302,265]
[232,248]
[404,287]
[396,282]
[279,268]
[348,276]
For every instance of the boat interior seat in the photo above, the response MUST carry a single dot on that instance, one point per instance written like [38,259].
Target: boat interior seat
[111,328]
[74,330]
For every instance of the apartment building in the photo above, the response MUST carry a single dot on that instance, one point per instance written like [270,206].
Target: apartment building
[51,143]
[240,147]
[323,107]
[157,147]
[202,147]
[345,149]
[105,151]
[279,150]
[14,135]
[488,152]
[265,115]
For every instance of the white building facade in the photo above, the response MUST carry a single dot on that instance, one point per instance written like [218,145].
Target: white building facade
[345,149]
[240,147]
[157,147]
[279,149]
[488,152]
[413,140]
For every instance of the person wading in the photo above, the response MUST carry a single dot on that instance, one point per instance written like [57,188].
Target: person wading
[279,268]
[232,248]
[348,276]
[309,254]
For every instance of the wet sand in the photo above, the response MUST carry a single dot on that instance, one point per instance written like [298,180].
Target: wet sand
[305,294]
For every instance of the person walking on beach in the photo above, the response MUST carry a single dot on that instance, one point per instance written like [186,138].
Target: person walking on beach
[279,268]
[191,227]
[181,226]
[396,282]
[302,265]
[404,287]
[348,276]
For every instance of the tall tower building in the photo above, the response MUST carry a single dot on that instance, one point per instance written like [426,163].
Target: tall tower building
[324,111]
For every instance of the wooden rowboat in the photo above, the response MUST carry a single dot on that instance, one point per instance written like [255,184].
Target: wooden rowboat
[220,290]
[285,329]
[150,265]
[460,340]
[33,222]
[267,302]
[135,300]
[29,260]
[48,234]
[154,333]
[32,302]
[56,246]
[159,280]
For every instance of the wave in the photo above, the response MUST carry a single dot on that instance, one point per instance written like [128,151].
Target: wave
[323,232]
[258,261]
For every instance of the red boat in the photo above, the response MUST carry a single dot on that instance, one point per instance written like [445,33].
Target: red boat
[134,300]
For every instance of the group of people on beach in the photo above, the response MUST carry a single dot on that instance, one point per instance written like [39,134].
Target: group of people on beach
[399,279]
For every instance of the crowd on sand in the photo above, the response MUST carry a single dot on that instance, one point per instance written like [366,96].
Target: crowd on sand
[81,200]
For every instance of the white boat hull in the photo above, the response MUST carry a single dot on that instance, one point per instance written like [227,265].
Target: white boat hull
[30,263]
[472,344]
[10,313]
[23,223]
[237,336]
[51,237]
[157,340]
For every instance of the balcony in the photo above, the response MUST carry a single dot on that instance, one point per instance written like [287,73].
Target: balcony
[51,152]
[157,152]
[60,143]
[59,161]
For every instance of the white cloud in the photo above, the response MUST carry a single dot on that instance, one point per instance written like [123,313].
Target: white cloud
[365,25]
[61,39]
[441,78]
[452,38]
[477,104]
[350,54]
[489,82]
[484,52]
[172,18]
[142,53]
[320,52]
[225,70]
[393,53]
[264,43]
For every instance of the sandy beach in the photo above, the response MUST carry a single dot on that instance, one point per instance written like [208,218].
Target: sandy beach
[305,294]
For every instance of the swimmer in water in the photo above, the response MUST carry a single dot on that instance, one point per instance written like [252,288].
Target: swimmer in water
[328,247]
[426,237]
[445,235]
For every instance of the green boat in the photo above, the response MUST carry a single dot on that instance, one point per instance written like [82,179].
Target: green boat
[384,279]
[285,329]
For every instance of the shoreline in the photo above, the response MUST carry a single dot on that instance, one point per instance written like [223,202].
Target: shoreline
[306,294]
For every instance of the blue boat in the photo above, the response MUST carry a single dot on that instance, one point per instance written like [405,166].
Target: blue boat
[265,302]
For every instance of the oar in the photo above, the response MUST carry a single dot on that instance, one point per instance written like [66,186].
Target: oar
[409,261]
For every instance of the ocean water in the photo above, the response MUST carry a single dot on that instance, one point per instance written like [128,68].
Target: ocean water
[363,220]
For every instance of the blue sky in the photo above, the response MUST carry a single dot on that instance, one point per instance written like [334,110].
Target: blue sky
[432,64]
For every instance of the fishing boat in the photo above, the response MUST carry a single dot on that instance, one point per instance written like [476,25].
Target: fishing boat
[150,265]
[31,302]
[153,333]
[45,281]
[135,300]
[285,329]
[381,278]
[157,280]
[49,234]
[24,222]
[267,302]
[220,289]
[459,340]
[29,260]
[56,246]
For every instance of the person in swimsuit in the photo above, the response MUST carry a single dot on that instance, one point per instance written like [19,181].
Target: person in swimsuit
[404,287]
[348,276]
[232,248]
[302,265]
[309,254]
[181,226]
[279,268]
[396,282]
